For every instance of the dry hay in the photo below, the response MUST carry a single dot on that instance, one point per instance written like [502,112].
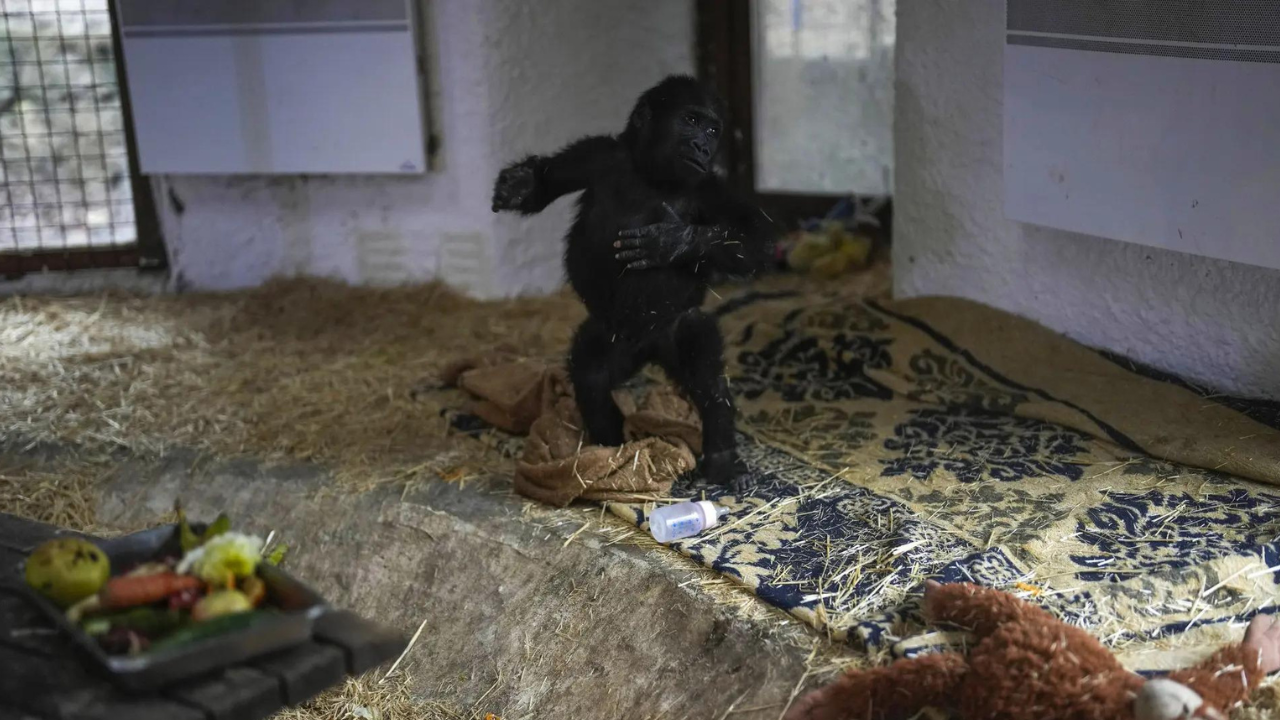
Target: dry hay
[1264,705]
[61,491]
[298,370]
[303,371]
[375,696]
[59,495]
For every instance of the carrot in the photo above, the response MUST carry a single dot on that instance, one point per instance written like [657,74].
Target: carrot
[126,591]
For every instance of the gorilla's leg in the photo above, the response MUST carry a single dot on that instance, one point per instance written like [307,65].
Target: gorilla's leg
[598,363]
[693,356]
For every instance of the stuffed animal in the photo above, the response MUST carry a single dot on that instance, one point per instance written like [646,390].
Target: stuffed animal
[1028,665]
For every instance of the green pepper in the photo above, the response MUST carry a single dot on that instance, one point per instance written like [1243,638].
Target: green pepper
[219,526]
[187,537]
[277,554]
[211,628]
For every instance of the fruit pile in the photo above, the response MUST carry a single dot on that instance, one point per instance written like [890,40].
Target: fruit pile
[212,587]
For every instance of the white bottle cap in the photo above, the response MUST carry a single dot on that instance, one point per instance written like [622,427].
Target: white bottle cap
[710,514]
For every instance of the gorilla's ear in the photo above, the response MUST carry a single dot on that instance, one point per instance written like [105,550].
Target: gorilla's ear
[640,118]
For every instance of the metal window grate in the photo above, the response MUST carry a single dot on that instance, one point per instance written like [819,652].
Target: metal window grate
[65,179]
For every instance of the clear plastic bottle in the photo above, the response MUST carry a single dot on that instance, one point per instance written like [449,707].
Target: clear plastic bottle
[682,520]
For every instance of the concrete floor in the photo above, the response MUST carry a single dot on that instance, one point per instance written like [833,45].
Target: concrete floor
[524,618]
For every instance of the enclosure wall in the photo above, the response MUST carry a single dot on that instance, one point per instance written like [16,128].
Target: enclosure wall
[1209,320]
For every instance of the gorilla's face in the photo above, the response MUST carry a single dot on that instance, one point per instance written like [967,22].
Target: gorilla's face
[675,131]
[692,139]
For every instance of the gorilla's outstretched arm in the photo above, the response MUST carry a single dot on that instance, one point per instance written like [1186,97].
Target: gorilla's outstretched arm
[532,184]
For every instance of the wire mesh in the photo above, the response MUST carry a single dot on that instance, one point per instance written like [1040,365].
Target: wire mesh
[64,163]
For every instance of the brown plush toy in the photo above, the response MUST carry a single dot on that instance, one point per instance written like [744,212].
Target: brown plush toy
[1028,665]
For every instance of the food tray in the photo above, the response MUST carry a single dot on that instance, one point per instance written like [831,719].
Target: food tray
[299,605]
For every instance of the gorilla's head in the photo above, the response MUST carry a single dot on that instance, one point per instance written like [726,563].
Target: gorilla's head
[673,133]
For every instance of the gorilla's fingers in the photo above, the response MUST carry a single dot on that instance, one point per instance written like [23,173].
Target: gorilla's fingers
[631,243]
[640,232]
[655,230]
[642,265]
[627,256]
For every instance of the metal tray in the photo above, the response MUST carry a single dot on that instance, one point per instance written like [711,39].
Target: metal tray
[300,607]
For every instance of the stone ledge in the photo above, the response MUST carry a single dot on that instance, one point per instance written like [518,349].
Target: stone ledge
[516,615]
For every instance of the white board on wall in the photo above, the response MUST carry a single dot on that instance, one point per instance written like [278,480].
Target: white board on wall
[275,86]
[1155,122]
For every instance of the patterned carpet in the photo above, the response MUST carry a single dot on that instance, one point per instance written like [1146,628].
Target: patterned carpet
[938,438]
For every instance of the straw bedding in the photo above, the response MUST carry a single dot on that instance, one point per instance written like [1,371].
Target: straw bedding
[311,371]
[889,441]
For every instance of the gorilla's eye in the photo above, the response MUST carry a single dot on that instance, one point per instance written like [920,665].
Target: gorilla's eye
[691,119]
[713,131]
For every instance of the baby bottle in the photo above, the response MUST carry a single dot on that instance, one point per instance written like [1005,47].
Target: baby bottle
[682,520]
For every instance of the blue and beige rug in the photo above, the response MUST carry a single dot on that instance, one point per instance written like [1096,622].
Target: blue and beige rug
[939,438]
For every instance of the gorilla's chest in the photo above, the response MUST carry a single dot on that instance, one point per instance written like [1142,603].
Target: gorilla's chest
[641,205]
[638,301]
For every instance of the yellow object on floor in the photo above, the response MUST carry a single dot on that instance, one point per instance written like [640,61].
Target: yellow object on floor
[830,251]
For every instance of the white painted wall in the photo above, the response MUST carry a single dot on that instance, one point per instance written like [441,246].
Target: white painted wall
[514,77]
[1208,320]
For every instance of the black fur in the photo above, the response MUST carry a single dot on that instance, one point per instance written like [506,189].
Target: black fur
[653,225]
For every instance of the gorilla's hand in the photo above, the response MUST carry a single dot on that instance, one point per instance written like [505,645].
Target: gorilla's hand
[517,188]
[658,245]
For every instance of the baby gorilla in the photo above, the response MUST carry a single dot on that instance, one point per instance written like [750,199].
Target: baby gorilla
[654,224]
